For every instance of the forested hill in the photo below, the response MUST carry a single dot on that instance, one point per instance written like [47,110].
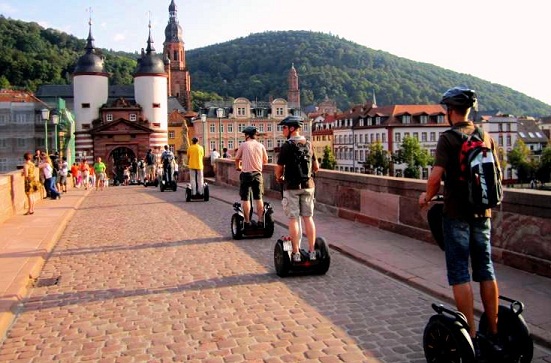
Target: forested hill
[257,67]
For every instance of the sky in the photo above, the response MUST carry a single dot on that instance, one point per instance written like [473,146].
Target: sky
[500,41]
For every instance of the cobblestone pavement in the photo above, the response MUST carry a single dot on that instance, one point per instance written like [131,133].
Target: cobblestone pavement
[145,276]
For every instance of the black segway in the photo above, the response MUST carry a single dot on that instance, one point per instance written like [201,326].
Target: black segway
[151,183]
[446,336]
[254,230]
[166,182]
[197,197]
[285,266]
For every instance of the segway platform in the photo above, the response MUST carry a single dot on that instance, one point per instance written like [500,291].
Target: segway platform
[170,185]
[446,337]
[151,183]
[238,229]
[197,197]
[285,266]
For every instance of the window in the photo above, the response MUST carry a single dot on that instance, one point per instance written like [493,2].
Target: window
[212,144]
[269,127]
[500,140]
[221,128]
[377,120]
[509,127]
[508,140]
[261,127]
[175,55]
[279,111]
[3,143]
[133,117]
[3,119]
[500,127]
[85,105]
[212,128]
[20,118]
[433,136]
[416,135]
[171,134]
[406,119]
[156,105]
[269,144]
[240,127]
[383,137]
[424,137]
[21,143]
[397,137]
[109,117]
[440,119]
[240,111]
[522,134]
[230,127]
[230,144]
[424,119]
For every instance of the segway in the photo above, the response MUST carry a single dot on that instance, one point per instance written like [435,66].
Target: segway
[150,183]
[285,266]
[197,197]
[165,183]
[254,230]
[446,336]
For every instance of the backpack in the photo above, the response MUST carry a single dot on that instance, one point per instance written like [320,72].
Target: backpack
[480,170]
[168,158]
[300,170]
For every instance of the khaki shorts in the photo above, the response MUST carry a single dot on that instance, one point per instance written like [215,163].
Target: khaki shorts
[298,202]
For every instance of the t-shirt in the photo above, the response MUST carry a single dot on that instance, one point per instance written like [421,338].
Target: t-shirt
[195,155]
[99,167]
[252,155]
[214,155]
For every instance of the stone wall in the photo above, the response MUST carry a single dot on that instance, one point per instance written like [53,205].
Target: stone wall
[13,199]
[521,226]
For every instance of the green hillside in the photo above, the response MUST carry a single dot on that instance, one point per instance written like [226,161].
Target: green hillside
[257,66]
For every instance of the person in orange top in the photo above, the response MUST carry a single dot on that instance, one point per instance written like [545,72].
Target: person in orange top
[85,172]
[74,174]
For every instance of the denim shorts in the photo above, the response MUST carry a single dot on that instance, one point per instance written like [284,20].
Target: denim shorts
[464,239]
[298,202]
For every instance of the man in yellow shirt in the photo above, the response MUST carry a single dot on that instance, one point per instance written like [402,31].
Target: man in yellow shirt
[195,163]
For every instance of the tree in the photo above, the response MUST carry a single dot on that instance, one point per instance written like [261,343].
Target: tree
[543,173]
[414,156]
[328,161]
[378,159]
[4,83]
[519,158]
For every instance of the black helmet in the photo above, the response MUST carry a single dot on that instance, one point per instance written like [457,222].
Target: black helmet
[459,96]
[249,131]
[295,121]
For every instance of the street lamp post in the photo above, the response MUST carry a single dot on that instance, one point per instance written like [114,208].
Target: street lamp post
[45,118]
[55,120]
[220,114]
[204,121]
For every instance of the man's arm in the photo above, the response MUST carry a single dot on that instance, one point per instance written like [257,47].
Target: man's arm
[279,173]
[433,185]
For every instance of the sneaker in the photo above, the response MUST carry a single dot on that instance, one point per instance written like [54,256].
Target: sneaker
[296,257]
[495,343]
[312,255]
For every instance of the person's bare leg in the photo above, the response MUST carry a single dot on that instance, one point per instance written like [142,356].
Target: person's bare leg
[259,205]
[463,295]
[489,293]
[246,210]
[310,229]
[294,233]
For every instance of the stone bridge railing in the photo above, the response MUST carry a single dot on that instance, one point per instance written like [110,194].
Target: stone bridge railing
[521,230]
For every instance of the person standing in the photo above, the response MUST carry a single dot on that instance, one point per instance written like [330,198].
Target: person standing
[213,156]
[466,229]
[225,153]
[250,159]
[85,173]
[298,194]
[100,171]
[167,159]
[49,182]
[150,165]
[195,163]
[31,184]
[141,171]
[62,174]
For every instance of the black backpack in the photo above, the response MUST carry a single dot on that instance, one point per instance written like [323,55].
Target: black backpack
[300,170]
[150,159]
[480,170]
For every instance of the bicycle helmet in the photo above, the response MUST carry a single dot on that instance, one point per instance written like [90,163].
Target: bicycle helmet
[459,96]
[249,131]
[295,121]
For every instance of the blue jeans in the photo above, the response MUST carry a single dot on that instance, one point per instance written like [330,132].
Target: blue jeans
[464,239]
[49,184]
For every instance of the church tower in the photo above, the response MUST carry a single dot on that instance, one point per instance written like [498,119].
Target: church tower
[179,79]
[90,89]
[150,92]
[293,94]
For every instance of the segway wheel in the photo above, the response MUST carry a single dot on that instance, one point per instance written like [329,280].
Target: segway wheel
[188,195]
[445,340]
[518,345]
[323,254]
[268,225]
[156,183]
[206,193]
[174,186]
[236,226]
[162,187]
[282,261]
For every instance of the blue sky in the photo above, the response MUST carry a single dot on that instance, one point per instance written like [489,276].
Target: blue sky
[501,41]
